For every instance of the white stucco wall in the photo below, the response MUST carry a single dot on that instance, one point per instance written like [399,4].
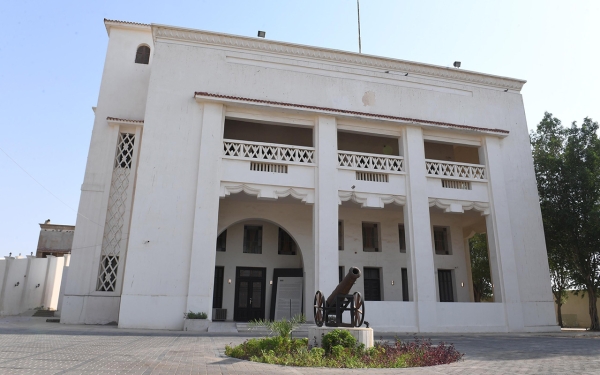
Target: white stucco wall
[176,214]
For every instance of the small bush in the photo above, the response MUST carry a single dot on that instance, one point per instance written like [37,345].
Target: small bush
[193,315]
[283,327]
[338,337]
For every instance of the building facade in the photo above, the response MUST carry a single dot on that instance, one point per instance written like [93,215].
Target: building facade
[237,176]
[55,239]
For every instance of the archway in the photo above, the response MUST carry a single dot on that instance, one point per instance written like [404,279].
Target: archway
[259,270]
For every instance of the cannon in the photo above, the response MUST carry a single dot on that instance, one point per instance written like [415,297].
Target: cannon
[330,311]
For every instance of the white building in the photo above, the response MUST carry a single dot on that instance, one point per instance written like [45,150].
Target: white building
[300,161]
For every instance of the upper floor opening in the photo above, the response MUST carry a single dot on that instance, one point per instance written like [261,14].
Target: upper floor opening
[368,144]
[452,152]
[268,133]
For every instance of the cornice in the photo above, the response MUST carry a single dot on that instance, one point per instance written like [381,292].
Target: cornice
[122,121]
[207,96]
[336,56]
[125,25]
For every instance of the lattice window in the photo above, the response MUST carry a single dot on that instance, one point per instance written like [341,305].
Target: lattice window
[115,215]
[452,184]
[268,167]
[373,177]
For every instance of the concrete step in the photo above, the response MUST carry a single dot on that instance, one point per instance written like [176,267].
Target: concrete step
[245,327]
[44,313]
[227,327]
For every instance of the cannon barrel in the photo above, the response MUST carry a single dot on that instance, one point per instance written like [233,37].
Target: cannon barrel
[344,286]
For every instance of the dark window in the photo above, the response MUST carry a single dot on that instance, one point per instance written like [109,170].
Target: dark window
[440,240]
[402,238]
[143,55]
[341,273]
[372,284]
[340,235]
[222,241]
[405,285]
[218,287]
[445,284]
[370,232]
[253,239]
[287,245]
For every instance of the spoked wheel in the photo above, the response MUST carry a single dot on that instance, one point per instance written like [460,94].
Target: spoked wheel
[319,309]
[359,309]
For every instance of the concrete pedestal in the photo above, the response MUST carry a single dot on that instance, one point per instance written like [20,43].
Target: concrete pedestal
[362,335]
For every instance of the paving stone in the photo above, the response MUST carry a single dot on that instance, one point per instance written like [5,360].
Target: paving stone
[32,346]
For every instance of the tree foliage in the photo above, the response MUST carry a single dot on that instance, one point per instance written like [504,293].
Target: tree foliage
[567,167]
[480,268]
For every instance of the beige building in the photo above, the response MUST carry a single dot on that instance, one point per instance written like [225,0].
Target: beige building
[55,239]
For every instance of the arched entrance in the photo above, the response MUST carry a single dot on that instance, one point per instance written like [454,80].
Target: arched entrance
[259,271]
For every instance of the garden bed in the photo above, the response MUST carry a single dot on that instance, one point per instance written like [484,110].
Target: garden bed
[341,351]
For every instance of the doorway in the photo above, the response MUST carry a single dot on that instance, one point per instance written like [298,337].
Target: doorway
[249,294]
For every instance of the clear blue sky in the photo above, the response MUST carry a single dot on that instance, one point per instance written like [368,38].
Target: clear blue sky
[52,54]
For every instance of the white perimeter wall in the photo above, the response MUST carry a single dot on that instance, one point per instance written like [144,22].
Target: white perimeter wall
[29,282]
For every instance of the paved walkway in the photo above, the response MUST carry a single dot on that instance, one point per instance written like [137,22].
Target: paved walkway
[31,346]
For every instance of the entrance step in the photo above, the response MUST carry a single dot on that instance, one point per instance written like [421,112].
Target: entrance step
[245,327]
[44,313]
[226,327]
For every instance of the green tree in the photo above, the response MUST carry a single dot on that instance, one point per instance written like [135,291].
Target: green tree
[567,166]
[480,268]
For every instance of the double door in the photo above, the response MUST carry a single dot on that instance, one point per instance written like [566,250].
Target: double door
[249,294]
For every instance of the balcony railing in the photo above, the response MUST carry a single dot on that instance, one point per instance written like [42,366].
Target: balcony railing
[268,152]
[454,170]
[370,162]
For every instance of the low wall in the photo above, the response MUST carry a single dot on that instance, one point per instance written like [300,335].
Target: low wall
[575,311]
[28,282]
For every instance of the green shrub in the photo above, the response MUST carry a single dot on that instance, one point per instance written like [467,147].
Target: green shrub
[397,354]
[337,351]
[338,337]
[282,328]
[193,315]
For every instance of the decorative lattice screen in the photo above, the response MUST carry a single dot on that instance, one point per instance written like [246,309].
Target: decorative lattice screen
[115,215]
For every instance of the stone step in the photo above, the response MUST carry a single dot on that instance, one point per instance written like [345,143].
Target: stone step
[245,327]
[44,313]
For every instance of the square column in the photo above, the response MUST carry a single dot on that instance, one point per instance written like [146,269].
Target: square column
[418,231]
[206,217]
[500,238]
[326,207]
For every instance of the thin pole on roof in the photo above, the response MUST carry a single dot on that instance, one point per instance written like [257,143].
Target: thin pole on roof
[358,12]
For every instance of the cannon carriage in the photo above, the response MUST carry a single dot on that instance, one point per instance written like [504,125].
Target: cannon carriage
[330,311]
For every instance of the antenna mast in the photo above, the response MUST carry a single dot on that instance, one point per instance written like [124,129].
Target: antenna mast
[358,11]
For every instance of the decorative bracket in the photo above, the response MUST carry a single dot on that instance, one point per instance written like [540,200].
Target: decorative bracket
[371,200]
[459,207]
[267,192]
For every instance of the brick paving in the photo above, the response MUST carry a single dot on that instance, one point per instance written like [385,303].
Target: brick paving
[31,346]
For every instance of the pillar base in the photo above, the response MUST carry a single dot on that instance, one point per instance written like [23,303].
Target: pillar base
[362,335]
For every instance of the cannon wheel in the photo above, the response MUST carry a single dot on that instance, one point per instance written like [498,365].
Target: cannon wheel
[359,309]
[319,311]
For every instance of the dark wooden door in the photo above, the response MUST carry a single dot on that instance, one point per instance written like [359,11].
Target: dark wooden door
[445,285]
[372,284]
[249,294]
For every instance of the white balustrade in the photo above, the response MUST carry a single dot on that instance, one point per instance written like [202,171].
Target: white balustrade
[370,162]
[439,168]
[268,151]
